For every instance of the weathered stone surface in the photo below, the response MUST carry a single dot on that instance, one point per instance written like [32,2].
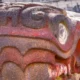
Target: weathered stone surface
[11,71]
[38,42]
[37,71]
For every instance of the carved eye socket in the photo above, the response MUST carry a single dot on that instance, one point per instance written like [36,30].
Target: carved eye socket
[60,26]
[38,15]
[63,33]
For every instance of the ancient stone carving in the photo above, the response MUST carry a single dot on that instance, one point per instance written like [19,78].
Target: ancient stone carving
[38,42]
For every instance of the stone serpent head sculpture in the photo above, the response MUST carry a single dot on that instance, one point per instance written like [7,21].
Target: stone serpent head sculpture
[38,42]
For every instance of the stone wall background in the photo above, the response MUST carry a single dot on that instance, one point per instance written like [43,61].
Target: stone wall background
[71,5]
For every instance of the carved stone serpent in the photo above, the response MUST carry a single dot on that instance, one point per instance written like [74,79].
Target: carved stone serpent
[37,42]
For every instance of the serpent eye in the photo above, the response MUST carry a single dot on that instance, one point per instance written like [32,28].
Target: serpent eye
[60,26]
[63,33]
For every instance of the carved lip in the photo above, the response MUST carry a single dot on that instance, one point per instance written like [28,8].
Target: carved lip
[10,54]
[25,44]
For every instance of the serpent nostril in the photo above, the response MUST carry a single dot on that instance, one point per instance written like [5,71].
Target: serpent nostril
[33,18]
[38,15]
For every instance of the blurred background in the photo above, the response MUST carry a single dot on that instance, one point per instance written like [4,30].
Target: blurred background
[70,5]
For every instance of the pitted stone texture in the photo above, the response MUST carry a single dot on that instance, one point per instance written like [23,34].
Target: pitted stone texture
[37,71]
[11,71]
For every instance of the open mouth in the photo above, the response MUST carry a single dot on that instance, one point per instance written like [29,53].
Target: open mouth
[32,59]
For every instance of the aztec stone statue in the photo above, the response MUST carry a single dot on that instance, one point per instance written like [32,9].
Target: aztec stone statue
[38,42]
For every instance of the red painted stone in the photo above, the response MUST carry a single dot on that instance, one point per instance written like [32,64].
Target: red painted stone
[37,42]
